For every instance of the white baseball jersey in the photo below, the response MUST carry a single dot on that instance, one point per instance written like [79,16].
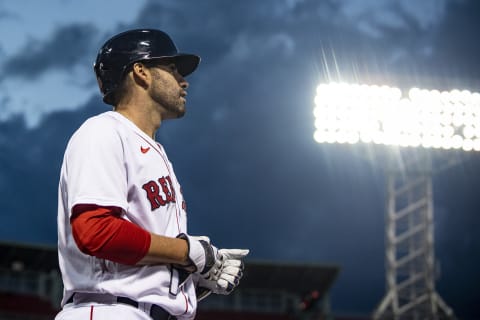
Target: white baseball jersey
[109,161]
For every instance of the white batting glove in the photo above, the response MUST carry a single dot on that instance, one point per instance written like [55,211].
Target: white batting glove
[202,255]
[230,258]
[224,276]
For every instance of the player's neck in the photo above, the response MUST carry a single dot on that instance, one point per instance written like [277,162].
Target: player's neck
[145,120]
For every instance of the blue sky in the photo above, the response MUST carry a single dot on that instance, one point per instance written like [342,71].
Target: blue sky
[251,173]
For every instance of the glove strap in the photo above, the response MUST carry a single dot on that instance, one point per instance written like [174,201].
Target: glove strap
[209,257]
[200,252]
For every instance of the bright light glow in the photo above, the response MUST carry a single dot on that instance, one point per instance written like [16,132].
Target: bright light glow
[353,113]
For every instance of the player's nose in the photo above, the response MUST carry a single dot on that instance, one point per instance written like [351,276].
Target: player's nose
[181,80]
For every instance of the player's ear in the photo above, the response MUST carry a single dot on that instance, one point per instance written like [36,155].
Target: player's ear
[141,75]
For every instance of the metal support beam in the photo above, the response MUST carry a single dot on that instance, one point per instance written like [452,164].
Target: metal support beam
[409,251]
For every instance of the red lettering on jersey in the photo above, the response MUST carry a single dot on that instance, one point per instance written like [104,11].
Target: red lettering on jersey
[161,193]
[153,194]
[184,204]
[171,188]
[166,189]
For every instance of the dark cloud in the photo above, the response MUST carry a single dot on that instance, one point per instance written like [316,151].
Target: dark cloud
[67,47]
[456,48]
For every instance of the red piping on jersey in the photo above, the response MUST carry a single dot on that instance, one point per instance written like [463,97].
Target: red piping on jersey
[91,312]
[177,213]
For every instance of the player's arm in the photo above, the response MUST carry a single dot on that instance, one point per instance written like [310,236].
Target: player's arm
[166,250]
[101,232]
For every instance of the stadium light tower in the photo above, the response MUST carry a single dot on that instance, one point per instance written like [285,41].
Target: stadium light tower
[420,121]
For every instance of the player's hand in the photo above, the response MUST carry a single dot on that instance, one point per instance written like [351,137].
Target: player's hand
[231,259]
[202,256]
[224,276]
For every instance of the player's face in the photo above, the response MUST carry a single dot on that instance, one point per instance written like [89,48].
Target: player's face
[168,90]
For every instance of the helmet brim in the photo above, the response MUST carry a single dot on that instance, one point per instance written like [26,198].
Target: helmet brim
[186,63]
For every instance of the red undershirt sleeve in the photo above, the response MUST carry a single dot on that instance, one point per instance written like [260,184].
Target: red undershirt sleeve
[101,232]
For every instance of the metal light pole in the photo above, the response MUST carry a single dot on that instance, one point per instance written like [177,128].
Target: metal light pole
[410,259]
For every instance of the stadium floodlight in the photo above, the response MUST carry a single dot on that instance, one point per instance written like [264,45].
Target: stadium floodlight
[353,113]
[417,119]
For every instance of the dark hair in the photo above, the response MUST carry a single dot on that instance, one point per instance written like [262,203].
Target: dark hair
[122,90]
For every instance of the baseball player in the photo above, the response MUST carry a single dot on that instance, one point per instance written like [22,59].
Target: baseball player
[124,249]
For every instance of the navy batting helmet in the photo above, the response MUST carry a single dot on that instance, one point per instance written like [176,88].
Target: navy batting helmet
[126,48]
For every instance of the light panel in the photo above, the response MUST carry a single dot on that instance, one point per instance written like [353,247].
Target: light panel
[355,113]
